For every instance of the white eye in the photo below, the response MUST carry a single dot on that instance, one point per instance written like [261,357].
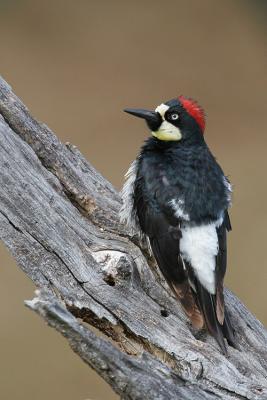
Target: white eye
[174,117]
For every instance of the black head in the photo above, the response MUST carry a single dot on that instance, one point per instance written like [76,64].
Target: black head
[178,119]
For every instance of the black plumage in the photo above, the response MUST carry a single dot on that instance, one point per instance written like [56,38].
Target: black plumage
[169,170]
[179,199]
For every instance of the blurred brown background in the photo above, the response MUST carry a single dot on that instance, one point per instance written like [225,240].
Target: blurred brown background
[77,64]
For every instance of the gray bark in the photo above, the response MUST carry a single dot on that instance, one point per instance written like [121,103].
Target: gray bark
[59,219]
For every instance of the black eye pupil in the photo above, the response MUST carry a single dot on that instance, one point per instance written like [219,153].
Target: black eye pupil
[174,116]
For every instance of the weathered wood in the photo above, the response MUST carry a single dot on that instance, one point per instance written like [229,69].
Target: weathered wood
[59,219]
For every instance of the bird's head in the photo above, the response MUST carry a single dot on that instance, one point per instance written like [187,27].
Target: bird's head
[177,119]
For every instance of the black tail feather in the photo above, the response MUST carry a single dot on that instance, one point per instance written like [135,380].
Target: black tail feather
[228,331]
[208,306]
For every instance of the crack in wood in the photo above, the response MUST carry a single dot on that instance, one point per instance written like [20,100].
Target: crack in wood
[59,218]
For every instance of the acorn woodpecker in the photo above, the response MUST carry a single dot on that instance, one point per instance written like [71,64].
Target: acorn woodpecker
[177,196]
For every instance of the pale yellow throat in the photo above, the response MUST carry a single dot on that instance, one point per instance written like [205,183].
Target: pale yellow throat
[167,131]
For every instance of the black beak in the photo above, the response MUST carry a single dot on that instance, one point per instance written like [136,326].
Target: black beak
[152,118]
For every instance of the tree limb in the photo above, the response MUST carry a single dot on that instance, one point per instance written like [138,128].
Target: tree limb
[59,219]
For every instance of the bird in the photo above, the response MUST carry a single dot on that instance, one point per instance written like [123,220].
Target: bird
[177,197]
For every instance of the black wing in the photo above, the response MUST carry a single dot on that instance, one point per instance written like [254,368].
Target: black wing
[166,249]
[159,222]
[164,239]
[221,264]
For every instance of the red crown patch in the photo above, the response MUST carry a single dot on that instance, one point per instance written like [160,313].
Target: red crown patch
[194,109]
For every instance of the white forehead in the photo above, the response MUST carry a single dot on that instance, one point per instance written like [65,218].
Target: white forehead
[162,108]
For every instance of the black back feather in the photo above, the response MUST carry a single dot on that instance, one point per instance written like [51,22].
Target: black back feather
[165,172]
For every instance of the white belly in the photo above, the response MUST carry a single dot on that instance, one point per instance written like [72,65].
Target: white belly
[199,246]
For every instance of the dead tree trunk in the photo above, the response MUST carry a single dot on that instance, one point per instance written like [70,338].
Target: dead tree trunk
[59,219]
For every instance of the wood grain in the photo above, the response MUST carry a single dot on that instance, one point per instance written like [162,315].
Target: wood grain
[59,219]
